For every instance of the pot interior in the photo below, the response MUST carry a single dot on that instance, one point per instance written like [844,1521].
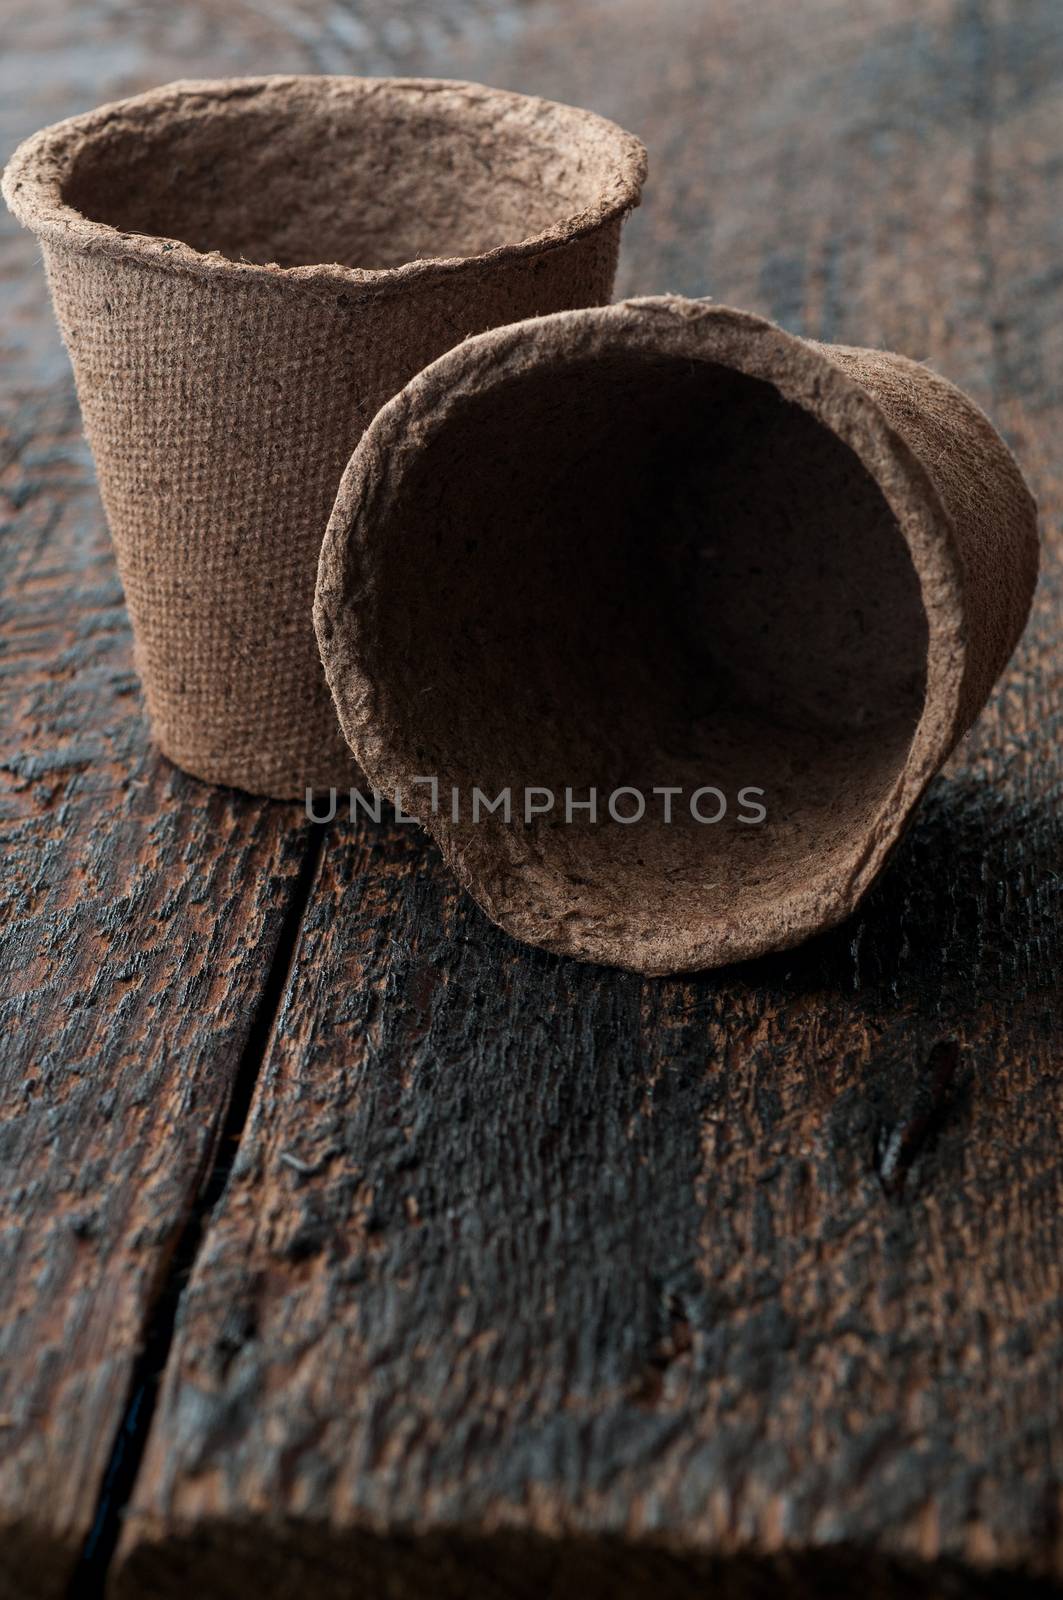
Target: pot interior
[367,174]
[649,573]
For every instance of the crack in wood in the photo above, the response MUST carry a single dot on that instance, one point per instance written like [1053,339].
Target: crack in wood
[676,1343]
[898,1145]
[90,1575]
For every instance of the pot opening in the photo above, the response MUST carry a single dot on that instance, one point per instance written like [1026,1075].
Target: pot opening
[644,572]
[367,174]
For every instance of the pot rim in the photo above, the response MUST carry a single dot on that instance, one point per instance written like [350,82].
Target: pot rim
[34,177]
[679,326]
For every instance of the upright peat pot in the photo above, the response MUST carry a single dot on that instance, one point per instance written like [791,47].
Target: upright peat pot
[748,589]
[243,271]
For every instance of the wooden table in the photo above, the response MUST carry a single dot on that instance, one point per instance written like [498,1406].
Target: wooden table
[347,1248]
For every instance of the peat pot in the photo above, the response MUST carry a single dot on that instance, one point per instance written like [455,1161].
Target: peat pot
[243,271]
[758,587]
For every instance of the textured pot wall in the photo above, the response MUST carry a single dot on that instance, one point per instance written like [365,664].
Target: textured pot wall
[222,396]
[221,417]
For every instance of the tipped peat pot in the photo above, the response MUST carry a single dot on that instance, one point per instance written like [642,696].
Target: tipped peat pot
[667,546]
[243,271]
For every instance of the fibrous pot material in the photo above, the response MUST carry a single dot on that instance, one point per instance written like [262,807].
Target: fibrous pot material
[243,271]
[666,545]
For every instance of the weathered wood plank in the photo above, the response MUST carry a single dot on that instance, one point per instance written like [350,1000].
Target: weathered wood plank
[140,914]
[535,1277]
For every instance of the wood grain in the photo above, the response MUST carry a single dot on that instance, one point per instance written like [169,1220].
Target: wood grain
[534,1277]
[140,912]
[140,915]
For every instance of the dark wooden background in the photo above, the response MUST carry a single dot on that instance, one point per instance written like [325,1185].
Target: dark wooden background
[347,1248]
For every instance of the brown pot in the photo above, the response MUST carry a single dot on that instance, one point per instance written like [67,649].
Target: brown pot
[225,373]
[666,545]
